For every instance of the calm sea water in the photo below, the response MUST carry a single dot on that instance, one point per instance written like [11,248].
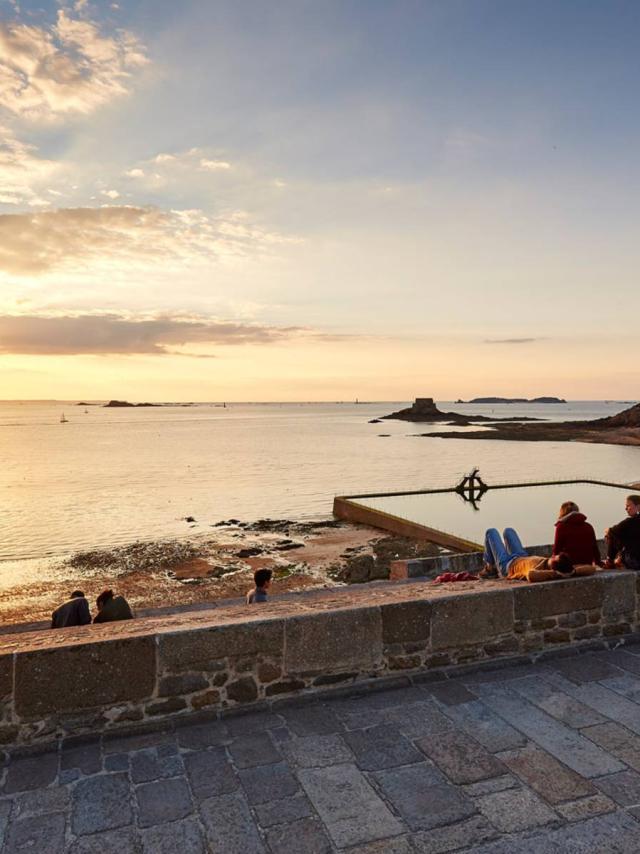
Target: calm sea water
[111,476]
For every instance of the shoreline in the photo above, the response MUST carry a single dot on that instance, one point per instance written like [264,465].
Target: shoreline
[208,567]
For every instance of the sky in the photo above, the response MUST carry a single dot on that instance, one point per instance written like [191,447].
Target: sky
[303,200]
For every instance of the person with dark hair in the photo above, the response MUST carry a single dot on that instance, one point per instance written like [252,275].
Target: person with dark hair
[74,612]
[575,536]
[510,559]
[262,580]
[623,539]
[112,608]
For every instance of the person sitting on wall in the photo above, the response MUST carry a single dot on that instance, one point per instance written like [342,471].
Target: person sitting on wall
[112,608]
[575,536]
[511,560]
[262,581]
[623,539]
[75,612]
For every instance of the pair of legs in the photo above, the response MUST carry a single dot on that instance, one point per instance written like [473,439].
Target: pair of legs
[499,554]
[616,553]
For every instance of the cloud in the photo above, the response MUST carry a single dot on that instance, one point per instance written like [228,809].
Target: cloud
[213,165]
[127,237]
[116,334]
[69,67]
[512,340]
[21,171]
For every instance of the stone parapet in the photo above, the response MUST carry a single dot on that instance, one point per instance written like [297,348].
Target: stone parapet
[80,680]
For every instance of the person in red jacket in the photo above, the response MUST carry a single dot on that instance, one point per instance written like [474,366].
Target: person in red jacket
[575,536]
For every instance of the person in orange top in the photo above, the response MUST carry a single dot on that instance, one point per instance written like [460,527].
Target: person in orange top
[510,559]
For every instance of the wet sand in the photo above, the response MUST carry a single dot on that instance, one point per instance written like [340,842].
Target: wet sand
[207,567]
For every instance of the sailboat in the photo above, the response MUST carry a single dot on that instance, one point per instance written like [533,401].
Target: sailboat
[63,420]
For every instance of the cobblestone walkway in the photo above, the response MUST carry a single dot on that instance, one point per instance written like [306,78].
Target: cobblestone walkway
[542,758]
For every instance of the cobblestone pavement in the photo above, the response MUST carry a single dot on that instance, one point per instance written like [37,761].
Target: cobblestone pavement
[540,758]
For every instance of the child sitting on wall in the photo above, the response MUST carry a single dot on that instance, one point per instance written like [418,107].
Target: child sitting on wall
[262,580]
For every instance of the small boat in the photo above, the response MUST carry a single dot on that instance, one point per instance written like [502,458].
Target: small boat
[63,420]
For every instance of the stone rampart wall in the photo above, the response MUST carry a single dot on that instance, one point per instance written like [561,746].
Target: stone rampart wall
[103,677]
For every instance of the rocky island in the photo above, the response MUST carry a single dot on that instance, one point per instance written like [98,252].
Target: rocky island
[425,411]
[620,429]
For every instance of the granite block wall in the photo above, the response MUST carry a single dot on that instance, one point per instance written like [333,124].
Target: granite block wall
[51,687]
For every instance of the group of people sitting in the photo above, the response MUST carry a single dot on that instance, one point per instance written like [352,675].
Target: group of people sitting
[76,611]
[575,548]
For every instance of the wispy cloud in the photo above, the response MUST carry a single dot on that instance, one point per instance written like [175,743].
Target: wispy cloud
[512,340]
[70,67]
[117,334]
[118,235]
[22,172]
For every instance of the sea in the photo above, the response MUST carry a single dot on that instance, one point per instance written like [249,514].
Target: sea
[106,477]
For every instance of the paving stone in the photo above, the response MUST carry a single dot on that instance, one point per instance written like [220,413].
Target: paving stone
[397,845]
[379,700]
[229,826]
[122,841]
[616,833]
[624,787]
[515,809]
[585,808]
[210,773]
[114,743]
[617,740]
[66,777]
[315,751]
[420,719]
[184,837]
[250,750]
[584,668]
[201,736]
[623,659]
[5,812]
[627,685]
[86,757]
[421,796]
[42,801]
[483,724]
[311,719]
[162,801]
[101,803]
[350,809]
[268,783]
[31,772]
[283,811]
[451,693]
[381,747]
[472,831]
[556,703]
[487,787]
[148,765]
[545,775]
[461,758]
[305,835]
[248,723]
[608,703]
[363,718]
[561,741]
[116,762]
[36,834]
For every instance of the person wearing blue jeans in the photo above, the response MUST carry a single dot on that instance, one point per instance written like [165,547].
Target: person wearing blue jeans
[499,554]
[510,559]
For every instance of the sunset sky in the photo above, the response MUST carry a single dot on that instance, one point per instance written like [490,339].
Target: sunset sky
[319,199]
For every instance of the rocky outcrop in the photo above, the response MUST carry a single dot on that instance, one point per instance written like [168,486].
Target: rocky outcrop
[620,429]
[425,411]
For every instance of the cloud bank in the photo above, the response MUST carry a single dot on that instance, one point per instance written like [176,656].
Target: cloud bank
[35,243]
[115,334]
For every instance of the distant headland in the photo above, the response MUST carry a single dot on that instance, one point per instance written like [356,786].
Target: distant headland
[114,404]
[514,400]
